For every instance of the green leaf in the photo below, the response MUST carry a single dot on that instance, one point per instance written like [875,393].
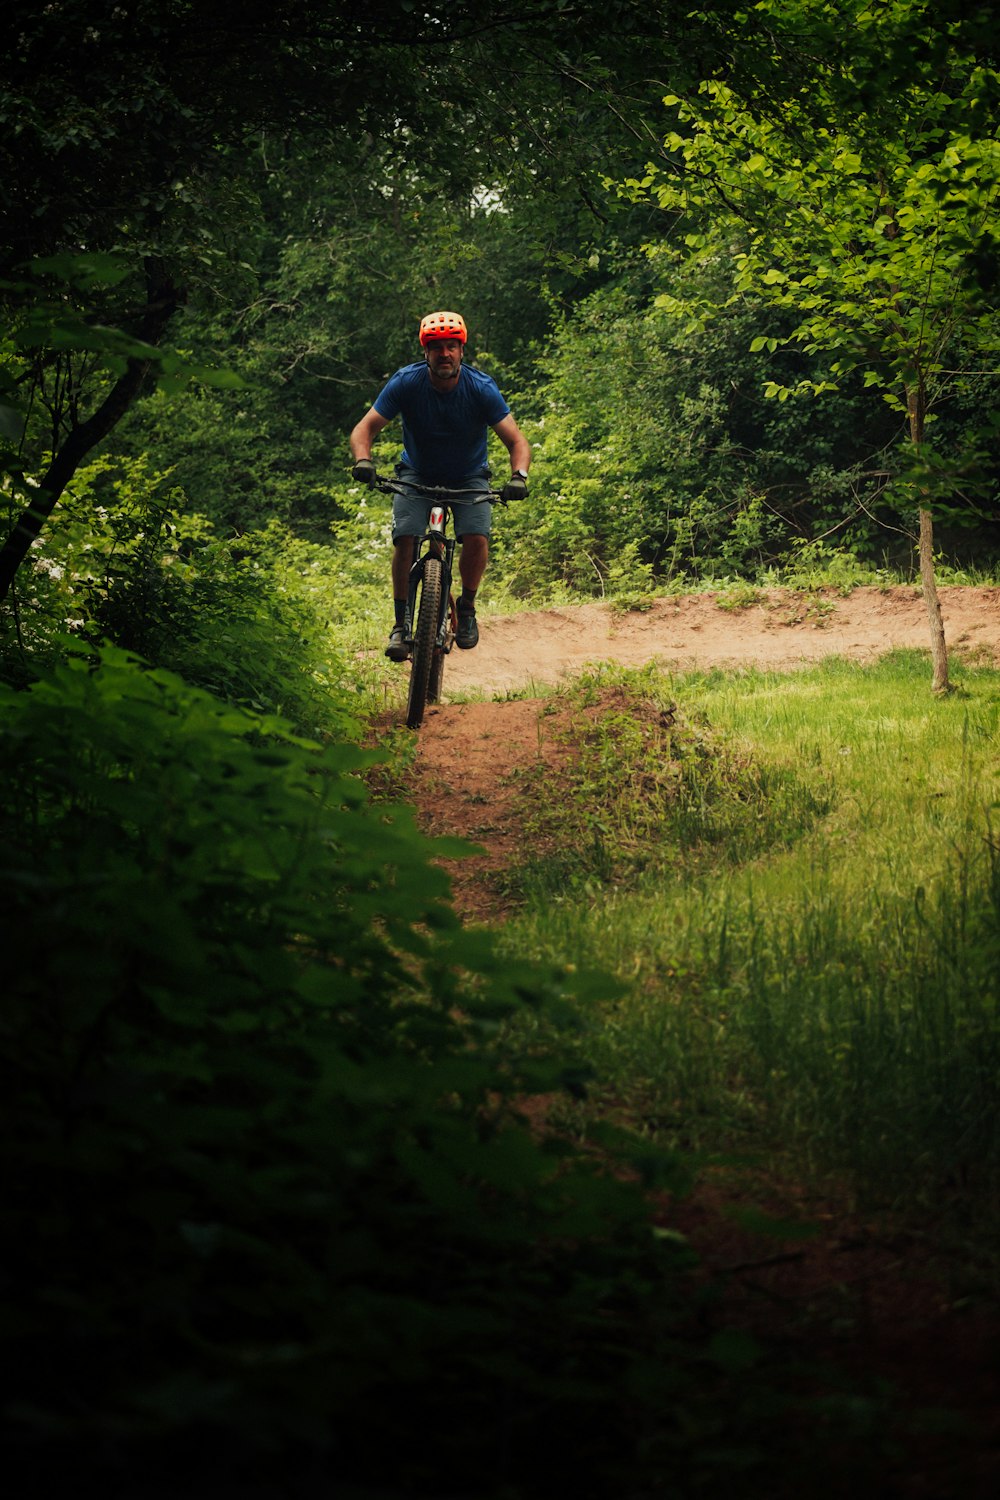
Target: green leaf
[11,423]
[86,271]
[218,377]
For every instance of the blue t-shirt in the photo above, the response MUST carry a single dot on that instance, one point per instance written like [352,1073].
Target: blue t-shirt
[444,432]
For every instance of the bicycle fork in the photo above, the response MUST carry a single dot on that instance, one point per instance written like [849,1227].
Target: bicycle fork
[434,543]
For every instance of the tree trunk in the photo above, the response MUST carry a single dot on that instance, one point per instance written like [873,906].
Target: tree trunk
[939,646]
[915,405]
[162,301]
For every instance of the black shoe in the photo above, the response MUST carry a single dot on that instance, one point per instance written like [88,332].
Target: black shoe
[397,649]
[466,631]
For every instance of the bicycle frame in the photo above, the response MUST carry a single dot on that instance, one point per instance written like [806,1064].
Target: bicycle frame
[434,543]
[430,619]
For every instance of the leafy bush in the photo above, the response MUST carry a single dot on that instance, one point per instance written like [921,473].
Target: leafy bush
[125,560]
[267,1190]
[652,426]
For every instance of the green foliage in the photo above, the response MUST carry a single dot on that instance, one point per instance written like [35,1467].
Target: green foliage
[126,561]
[653,435]
[823,992]
[362,553]
[265,1181]
[813,565]
[871,229]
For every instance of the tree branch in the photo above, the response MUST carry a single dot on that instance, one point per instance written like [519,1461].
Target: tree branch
[162,300]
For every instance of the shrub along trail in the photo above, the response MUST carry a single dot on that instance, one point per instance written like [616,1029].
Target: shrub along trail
[882,1300]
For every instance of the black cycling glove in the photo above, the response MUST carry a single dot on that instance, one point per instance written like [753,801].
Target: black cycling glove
[364,471]
[515,489]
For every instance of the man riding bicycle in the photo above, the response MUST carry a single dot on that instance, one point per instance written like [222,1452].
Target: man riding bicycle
[446,408]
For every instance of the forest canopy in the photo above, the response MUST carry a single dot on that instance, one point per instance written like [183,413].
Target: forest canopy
[222,229]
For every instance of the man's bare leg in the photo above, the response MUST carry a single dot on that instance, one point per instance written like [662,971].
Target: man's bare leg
[472,562]
[471,567]
[402,560]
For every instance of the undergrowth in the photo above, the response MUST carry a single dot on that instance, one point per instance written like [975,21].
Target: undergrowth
[270,1187]
[637,787]
[809,932]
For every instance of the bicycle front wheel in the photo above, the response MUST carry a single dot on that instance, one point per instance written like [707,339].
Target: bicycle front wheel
[424,637]
[436,680]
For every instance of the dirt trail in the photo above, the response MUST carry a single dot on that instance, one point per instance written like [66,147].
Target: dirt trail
[782,631]
[465,750]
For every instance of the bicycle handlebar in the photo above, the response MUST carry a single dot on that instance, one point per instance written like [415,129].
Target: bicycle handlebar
[437,492]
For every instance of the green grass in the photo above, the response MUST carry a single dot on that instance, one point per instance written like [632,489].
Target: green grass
[828,989]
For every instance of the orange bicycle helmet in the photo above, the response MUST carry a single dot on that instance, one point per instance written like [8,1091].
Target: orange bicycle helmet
[442,325]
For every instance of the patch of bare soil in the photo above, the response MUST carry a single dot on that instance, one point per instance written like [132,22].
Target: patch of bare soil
[464,783]
[879,1303]
[883,1305]
[781,631]
[466,780]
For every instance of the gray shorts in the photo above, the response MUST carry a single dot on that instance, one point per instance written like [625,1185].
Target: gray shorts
[410,513]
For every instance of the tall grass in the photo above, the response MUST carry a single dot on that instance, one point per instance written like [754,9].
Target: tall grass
[832,996]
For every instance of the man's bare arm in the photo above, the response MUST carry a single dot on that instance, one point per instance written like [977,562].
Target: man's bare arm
[515,442]
[366,432]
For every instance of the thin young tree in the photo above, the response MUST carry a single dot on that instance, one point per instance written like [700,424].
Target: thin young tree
[865,206]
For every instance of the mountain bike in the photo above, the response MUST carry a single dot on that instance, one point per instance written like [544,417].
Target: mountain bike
[430,621]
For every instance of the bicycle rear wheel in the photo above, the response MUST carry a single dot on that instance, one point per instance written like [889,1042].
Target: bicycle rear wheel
[424,637]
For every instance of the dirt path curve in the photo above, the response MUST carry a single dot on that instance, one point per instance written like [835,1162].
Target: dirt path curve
[782,631]
[466,751]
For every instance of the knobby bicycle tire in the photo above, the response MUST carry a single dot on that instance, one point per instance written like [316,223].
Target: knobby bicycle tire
[424,636]
[436,680]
